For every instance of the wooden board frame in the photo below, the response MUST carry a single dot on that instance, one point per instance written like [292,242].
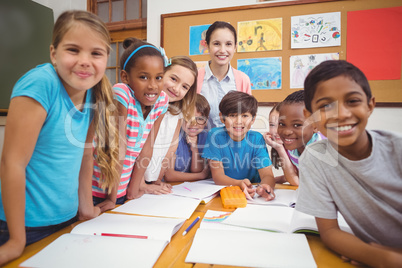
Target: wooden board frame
[175,39]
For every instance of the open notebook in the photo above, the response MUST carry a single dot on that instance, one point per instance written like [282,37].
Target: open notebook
[133,241]
[217,243]
[204,190]
[283,197]
[277,219]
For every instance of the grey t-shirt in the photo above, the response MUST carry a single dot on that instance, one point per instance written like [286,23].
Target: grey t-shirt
[368,192]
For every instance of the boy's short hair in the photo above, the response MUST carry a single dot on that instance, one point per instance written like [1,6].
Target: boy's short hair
[295,97]
[202,105]
[329,69]
[236,102]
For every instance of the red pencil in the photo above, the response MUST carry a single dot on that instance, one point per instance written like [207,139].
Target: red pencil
[123,235]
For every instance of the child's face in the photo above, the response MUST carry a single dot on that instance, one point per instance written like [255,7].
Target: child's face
[80,59]
[237,125]
[222,46]
[146,79]
[341,111]
[196,125]
[293,128]
[273,122]
[177,82]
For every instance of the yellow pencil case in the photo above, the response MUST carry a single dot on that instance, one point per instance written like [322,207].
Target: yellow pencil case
[233,197]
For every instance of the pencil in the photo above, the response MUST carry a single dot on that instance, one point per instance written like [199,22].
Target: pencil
[191,225]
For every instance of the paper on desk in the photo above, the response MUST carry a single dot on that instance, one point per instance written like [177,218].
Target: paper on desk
[160,205]
[203,190]
[213,220]
[72,250]
[123,224]
[250,249]
[283,197]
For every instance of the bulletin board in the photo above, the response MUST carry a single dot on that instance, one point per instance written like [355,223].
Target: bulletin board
[387,91]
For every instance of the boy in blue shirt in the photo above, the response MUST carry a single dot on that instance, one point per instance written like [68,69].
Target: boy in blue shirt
[236,154]
[356,171]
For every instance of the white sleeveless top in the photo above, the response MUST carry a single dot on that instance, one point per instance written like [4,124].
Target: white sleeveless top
[162,144]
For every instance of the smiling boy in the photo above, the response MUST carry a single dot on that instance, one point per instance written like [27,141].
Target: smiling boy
[356,171]
[236,154]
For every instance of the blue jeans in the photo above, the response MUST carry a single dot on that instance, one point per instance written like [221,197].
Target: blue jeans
[34,234]
[97,200]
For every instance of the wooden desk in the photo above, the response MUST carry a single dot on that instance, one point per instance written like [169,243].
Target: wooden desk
[176,251]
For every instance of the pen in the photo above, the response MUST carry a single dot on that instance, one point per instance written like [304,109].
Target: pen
[191,225]
[268,192]
[122,235]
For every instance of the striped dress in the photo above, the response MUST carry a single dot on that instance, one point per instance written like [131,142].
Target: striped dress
[137,132]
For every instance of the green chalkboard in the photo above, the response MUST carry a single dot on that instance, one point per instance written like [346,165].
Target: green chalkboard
[25,36]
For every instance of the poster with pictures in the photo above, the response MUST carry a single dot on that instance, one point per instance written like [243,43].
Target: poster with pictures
[198,45]
[316,30]
[301,65]
[264,73]
[259,35]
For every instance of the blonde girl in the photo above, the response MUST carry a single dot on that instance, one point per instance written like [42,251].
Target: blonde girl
[56,103]
[141,104]
[180,85]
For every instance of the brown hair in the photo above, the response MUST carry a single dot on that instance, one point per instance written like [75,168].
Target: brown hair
[202,105]
[187,104]
[237,102]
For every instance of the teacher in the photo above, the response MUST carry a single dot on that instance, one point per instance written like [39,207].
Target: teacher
[218,78]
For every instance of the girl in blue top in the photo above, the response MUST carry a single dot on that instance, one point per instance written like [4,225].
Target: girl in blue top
[56,103]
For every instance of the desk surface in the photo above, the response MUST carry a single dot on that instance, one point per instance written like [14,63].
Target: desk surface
[176,251]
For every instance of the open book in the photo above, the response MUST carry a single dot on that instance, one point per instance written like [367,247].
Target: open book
[283,197]
[217,243]
[277,219]
[204,190]
[133,241]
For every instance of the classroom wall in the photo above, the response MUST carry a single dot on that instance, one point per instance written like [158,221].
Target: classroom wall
[60,6]
[382,118]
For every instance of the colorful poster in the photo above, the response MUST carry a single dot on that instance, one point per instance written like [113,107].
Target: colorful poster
[198,46]
[316,30]
[301,65]
[259,35]
[374,42]
[264,73]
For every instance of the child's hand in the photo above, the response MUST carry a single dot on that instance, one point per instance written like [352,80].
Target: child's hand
[192,141]
[205,172]
[158,188]
[266,191]
[273,141]
[106,205]
[89,213]
[247,188]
